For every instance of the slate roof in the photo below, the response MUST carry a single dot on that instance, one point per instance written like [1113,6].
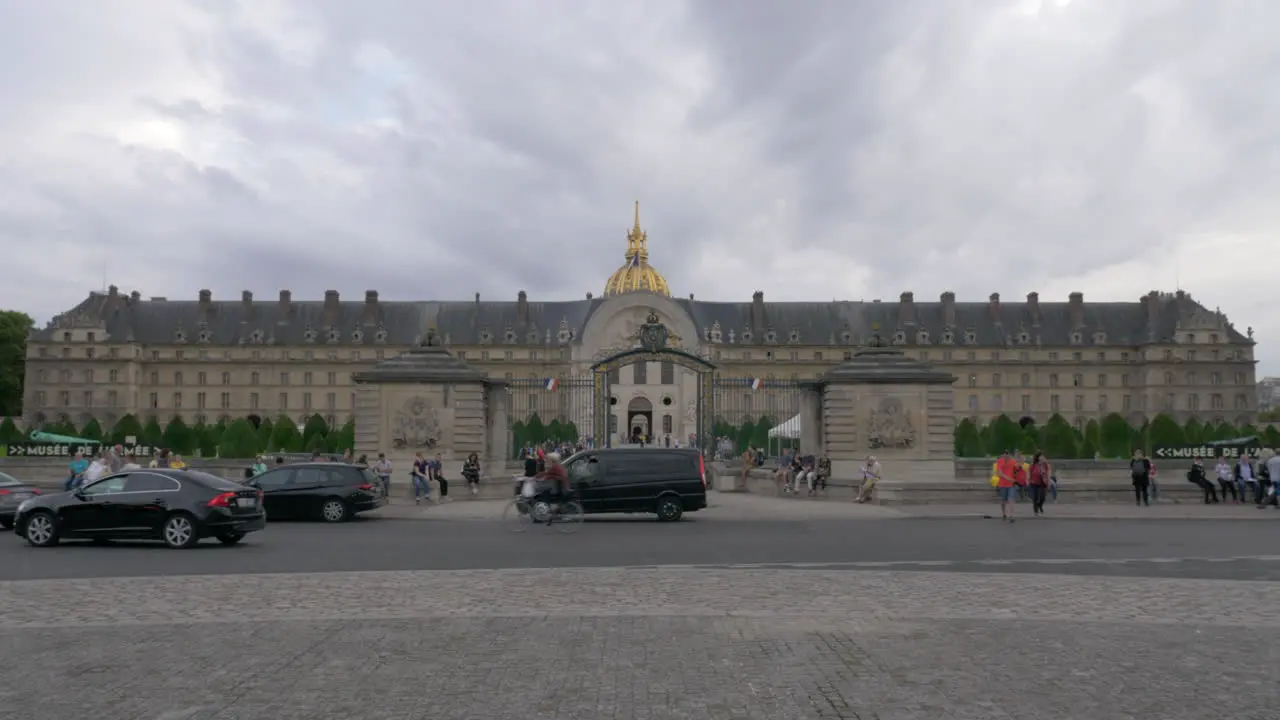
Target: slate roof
[335,322]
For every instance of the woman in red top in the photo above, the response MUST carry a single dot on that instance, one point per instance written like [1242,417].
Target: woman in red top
[1038,480]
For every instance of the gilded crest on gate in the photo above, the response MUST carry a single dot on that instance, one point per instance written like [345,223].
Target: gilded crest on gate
[653,335]
[416,426]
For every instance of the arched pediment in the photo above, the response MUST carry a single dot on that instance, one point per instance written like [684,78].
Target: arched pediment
[612,328]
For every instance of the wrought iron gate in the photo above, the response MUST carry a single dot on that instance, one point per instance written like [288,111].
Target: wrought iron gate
[551,409]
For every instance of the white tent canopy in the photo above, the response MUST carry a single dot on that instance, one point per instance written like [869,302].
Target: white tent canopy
[789,430]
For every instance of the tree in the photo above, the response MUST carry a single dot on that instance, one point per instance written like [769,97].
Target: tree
[746,431]
[10,432]
[555,431]
[152,434]
[60,427]
[178,437]
[344,438]
[1092,437]
[206,439]
[1271,437]
[1195,433]
[14,328]
[967,441]
[92,430]
[760,435]
[1004,434]
[317,444]
[126,427]
[265,427]
[535,431]
[316,426]
[239,440]
[1164,430]
[285,437]
[570,432]
[1059,439]
[519,437]
[1115,437]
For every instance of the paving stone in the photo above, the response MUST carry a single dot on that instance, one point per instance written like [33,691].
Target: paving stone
[633,644]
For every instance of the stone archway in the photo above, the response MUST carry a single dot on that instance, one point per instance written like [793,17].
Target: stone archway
[639,425]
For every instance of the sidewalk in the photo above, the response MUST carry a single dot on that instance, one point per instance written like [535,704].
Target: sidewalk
[1099,511]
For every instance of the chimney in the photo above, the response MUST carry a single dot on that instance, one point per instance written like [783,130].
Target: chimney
[113,292]
[1076,305]
[1033,307]
[522,308]
[246,306]
[757,310]
[205,306]
[113,299]
[1152,301]
[949,309]
[907,309]
[477,298]
[994,307]
[286,306]
[370,308]
[135,296]
[332,310]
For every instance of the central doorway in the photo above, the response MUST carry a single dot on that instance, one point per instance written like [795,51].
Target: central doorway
[639,420]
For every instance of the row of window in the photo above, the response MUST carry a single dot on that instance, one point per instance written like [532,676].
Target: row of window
[1168,403]
[1102,379]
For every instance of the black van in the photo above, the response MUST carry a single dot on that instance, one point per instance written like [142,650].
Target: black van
[665,481]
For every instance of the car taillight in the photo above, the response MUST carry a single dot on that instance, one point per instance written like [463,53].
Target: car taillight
[366,487]
[223,500]
[35,491]
[702,468]
[3,491]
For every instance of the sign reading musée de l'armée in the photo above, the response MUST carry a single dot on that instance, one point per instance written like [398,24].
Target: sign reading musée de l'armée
[60,450]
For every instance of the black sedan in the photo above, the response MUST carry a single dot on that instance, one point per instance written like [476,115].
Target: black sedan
[177,507]
[13,492]
[330,491]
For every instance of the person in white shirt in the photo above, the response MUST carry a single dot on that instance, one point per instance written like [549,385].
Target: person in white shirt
[1269,497]
[131,463]
[96,470]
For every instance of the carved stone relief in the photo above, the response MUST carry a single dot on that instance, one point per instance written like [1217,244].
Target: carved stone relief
[416,426]
[890,427]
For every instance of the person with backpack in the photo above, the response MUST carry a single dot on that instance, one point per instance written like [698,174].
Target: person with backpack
[1140,471]
[1198,477]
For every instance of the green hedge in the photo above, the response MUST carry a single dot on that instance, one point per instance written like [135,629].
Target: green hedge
[1112,437]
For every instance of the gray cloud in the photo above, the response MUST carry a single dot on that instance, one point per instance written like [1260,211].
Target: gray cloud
[812,150]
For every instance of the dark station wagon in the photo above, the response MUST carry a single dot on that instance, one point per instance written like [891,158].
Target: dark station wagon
[329,491]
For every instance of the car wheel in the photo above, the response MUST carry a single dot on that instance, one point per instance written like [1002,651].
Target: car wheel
[669,509]
[41,529]
[335,510]
[179,532]
[230,538]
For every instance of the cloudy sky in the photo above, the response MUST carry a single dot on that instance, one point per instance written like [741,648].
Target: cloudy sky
[813,150]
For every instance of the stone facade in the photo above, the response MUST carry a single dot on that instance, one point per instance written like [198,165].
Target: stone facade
[117,353]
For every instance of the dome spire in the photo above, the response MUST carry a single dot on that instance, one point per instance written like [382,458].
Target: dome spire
[637,240]
[636,274]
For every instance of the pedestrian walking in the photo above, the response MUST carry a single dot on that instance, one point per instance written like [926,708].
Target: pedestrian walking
[1006,487]
[1038,482]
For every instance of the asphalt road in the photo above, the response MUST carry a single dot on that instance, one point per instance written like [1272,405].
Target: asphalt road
[1151,548]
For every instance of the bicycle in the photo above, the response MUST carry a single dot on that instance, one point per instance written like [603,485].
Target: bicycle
[523,512]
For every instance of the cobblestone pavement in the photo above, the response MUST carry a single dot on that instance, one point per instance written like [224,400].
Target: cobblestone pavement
[632,644]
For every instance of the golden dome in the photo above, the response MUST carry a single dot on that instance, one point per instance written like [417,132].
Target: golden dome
[636,274]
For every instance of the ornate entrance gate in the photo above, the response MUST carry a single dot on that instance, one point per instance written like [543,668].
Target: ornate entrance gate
[652,347]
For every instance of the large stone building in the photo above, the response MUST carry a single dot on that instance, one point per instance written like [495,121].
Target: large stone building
[208,358]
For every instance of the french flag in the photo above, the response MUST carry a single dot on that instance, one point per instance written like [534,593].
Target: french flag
[757,383]
[553,384]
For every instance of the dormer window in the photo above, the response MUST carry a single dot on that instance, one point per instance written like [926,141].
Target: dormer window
[970,337]
[205,335]
[357,335]
[532,337]
[746,335]
[1099,338]
[1076,338]
[564,336]
[770,336]
[486,337]
[256,336]
[380,335]
[948,337]
[795,336]
[715,332]
[179,336]
[309,335]
[1024,337]
[509,336]
[900,338]
[922,337]
[846,337]
[733,337]
[332,335]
